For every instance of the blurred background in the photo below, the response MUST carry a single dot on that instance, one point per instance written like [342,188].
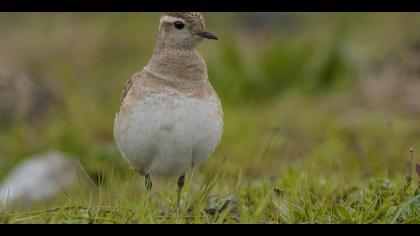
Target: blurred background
[336,95]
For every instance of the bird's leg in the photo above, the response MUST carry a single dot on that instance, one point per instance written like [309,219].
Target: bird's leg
[181,182]
[148,183]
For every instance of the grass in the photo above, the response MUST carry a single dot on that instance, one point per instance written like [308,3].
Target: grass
[301,143]
[278,179]
[380,201]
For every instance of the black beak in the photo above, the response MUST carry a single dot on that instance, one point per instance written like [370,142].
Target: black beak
[208,35]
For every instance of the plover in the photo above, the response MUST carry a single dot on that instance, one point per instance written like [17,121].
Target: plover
[170,117]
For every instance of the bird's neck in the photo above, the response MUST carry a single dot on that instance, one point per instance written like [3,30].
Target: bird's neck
[177,64]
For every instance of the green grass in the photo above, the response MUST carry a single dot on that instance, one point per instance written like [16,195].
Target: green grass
[300,145]
[297,172]
[380,201]
[293,198]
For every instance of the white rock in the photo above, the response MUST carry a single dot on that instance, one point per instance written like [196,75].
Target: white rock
[38,179]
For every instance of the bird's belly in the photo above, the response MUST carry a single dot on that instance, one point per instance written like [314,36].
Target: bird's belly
[165,137]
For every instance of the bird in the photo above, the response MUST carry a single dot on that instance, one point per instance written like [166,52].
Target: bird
[170,118]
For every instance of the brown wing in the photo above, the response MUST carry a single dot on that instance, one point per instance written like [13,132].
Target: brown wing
[127,88]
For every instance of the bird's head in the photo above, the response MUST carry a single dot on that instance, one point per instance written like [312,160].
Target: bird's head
[182,30]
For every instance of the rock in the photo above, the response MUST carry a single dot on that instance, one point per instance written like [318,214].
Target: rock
[38,179]
[16,94]
[217,204]
[21,97]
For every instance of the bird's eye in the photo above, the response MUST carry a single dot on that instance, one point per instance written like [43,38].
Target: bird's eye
[179,25]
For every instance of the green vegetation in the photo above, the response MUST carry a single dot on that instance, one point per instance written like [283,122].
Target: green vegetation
[307,139]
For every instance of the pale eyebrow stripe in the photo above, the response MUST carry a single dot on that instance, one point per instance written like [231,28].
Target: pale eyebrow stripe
[170,19]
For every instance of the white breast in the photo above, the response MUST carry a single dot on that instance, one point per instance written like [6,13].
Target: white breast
[166,136]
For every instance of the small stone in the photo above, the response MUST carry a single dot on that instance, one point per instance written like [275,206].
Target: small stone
[278,192]
[217,204]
